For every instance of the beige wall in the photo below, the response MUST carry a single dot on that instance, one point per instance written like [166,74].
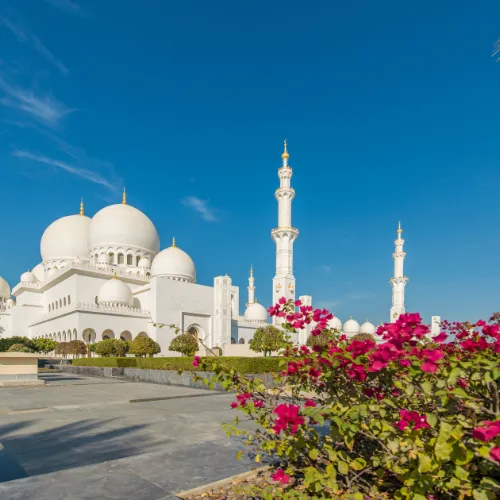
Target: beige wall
[18,365]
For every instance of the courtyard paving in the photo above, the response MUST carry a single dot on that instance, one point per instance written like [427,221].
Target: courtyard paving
[92,438]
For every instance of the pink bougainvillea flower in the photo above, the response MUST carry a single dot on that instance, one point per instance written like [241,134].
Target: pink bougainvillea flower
[196,361]
[293,367]
[495,453]
[376,366]
[258,403]
[462,382]
[310,403]
[234,404]
[281,477]
[481,322]
[357,372]
[412,417]
[298,303]
[287,417]
[314,372]
[429,367]
[440,338]
[404,362]
[490,330]
[487,431]
[282,301]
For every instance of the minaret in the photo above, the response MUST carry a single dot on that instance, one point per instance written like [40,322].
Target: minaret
[284,235]
[251,288]
[399,281]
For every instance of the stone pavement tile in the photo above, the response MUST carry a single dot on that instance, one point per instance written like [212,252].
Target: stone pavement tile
[89,483]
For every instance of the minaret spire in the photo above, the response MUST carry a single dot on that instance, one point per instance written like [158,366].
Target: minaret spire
[284,235]
[124,196]
[82,207]
[251,288]
[399,281]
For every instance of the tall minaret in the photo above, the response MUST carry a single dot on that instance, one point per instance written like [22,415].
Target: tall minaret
[251,288]
[284,235]
[399,281]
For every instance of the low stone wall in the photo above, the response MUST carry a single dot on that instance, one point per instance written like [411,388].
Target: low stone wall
[166,377]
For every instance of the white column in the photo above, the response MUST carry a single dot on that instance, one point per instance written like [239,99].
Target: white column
[251,288]
[222,311]
[284,235]
[398,281]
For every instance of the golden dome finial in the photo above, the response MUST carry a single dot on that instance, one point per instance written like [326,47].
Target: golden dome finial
[399,228]
[251,270]
[82,207]
[173,242]
[124,196]
[285,152]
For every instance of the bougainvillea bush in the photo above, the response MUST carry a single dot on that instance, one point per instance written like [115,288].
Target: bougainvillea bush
[412,417]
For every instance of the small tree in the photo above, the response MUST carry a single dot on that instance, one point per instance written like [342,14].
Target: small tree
[266,339]
[44,345]
[106,348]
[364,336]
[62,348]
[19,348]
[144,346]
[185,343]
[322,339]
[77,348]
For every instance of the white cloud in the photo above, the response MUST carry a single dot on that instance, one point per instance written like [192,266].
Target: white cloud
[77,170]
[66,5]
[200,206]
[46,108]
[24,35]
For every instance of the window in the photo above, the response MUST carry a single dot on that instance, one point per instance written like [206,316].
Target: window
[69,300]
[242,341]
[111,258]
[60,302]
[233,340]
[50,307]
[137,259]
[130,260]
[57,305]
[64,302]
[96,300]
[121,258]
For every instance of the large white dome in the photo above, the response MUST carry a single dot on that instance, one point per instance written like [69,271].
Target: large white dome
[256,312]
[335,324]
[66,238]
[4,289]
[174,263]
[123,226]
[367,327]
[115,292]
[351,326]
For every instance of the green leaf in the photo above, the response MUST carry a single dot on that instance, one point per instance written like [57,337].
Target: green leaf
[342,467]
[496,373]
[426,387]
[461,473]
[410,389]
[424,463]
[443,451]
[239,455]
[313,454]
[431,419]
[358,464]
[479,495]
[490,484]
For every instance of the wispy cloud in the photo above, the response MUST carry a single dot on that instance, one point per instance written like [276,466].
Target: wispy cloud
[329,304]
[72,168]
[200,206]
[360,295]
[44,108]
[25,35]
[66,5]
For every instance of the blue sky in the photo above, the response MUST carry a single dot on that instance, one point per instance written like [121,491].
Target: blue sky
[391,112]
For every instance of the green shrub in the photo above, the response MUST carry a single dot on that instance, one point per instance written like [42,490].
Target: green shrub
[77,348]
[19,348]
[242,365]
[143,346]
[322,339]
[111,347]
[44,345]
[9,341]
[185,343]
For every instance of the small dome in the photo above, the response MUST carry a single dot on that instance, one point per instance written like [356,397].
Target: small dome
[39,272]
[335,324]
[351,326]
[123,226]
[66,238]
[144,263]
[104,258]
[367,327]
[28,277]
[4,289]
[115,291]
[256,312]
[10,303]
[174,263]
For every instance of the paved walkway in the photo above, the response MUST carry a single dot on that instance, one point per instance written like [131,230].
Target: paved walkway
[80,437]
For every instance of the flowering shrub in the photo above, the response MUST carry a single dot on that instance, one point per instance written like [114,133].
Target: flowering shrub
[412,417]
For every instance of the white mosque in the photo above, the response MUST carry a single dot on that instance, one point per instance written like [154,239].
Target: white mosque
[105,277]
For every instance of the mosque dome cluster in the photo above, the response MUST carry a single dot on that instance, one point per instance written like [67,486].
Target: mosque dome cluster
[256,312]
[174,263]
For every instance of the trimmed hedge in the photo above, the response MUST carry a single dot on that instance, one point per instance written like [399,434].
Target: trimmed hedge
[240,364]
